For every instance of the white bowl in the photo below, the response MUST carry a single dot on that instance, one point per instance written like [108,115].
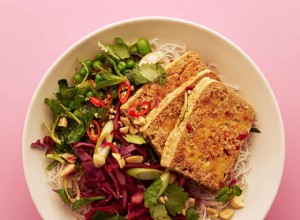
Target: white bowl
[236,67]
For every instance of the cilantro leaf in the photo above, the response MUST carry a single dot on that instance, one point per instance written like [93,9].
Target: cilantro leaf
[84,201]
[192,214]
[109,79]
[120,50]
[99,215]
[226,193]
[176,199]
[159,212]
[151,72]
[148,73]
[152,193]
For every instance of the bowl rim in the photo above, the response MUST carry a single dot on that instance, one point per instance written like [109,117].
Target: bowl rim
[146,19]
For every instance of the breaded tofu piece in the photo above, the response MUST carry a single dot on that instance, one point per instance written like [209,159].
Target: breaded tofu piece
[178,72]
[206,144]
[162,120]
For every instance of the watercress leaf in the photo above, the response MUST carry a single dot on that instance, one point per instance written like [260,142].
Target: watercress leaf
[176,199]
[192,214]
[84,201]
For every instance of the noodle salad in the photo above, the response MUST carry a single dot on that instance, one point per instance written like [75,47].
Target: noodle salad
[99,169]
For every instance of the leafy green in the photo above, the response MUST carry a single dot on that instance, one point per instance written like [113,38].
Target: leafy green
[192,214]
[148,73]
[84,201]
[109,79]
[226,193]
[256,130]
[52,165]
[63,195]
[159,212]
[63,84]
[75,133]
[54,106]
[67,93]
[99,215]
[118,51]
[176,199]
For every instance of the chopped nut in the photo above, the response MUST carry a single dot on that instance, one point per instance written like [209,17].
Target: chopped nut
[96,115]
[140,121]
[135,159]
[226,214]
[133,130]
[212,213]
[124,130]
[172,178]
[63,122]
[125,121]
[189,203]
[111,110]
[161,200]
[120,123]
[111,117]
[132,88]
[87,99]
[236,202]
[68,170]
[189,92]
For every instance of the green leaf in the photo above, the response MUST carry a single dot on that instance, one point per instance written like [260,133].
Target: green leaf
[255,130]
[152,193]
[109,79]
[55,107]
[192,214]
[148,73]
[236,190]
[76,133]
[176,199]
[99,215]
[84,201]
[63,84]
[226,193]
[63,195]
[159,212]
[67,93]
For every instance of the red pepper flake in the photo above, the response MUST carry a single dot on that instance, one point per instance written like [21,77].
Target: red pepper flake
[171,60]
[189,127]
[189,88]
[242,136]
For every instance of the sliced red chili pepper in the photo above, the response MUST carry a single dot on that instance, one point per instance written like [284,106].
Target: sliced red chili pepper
[124,91]
[97,102]
[139,109]
[93,131]
[112,146]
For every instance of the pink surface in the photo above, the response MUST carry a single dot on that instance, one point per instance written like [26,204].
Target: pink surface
[34,33]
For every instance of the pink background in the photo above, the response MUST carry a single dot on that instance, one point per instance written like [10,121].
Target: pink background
[34,33]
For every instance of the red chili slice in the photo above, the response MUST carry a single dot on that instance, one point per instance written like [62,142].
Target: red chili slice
[124,91]
[97,102]
[93,131]
[112,146]
[139,109]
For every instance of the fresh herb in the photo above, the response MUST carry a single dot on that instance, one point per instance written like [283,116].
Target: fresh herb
[99,215]
[63,195]
[118,51]
[159,212]
[148,73]
[109,79]
[255,130]
[52,165]
[226,193]
[192,214]
[84,201]
[176,198]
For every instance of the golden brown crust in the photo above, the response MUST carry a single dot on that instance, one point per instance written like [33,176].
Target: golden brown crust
[162,120]
[178,72]
[207,143]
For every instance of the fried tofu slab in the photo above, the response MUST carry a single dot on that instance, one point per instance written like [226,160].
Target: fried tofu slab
[206,144]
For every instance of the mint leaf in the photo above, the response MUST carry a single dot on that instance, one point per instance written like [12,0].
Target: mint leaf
[159,212]
[84,201]
[226,193]
[109,79]
[176,198]
[192,214]
[151,72]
